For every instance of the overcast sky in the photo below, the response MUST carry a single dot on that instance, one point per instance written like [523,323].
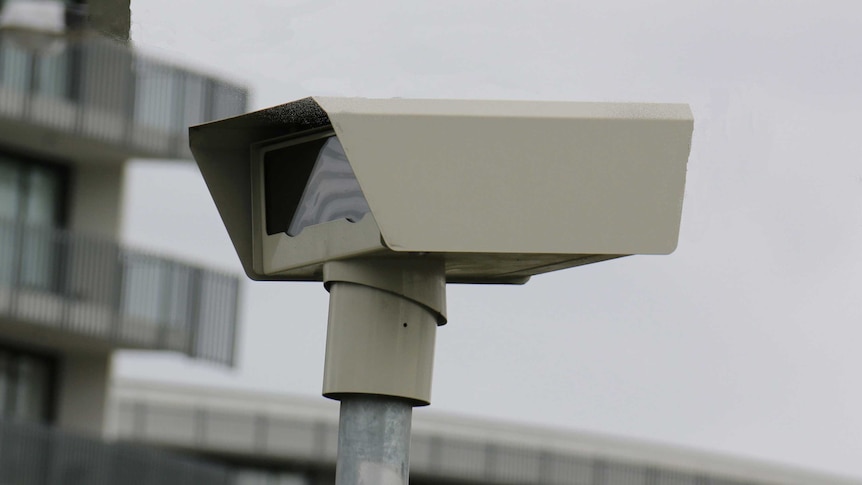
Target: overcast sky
[747,340]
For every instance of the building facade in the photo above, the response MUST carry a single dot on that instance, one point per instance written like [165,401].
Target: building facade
[76,102]
[271,439]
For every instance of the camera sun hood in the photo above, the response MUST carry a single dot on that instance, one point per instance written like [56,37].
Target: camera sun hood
[499,190]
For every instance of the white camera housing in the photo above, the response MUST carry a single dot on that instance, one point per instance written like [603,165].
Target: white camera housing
[498,190]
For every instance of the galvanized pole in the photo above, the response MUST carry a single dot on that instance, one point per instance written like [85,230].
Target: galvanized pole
[373,440]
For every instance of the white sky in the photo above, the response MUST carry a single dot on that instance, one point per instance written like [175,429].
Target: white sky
[747,340]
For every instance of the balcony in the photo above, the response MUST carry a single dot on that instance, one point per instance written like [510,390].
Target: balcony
[94,99]
[73,290]
[292,434]
[35,455]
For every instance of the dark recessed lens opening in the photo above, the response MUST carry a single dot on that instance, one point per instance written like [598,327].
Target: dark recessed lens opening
[285,173]
[310,184]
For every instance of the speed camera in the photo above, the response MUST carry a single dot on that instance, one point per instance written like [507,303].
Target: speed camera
[496,190]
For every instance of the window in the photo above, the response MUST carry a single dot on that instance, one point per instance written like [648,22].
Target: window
[26,381]
[31,196]
[44,69]
[10,184]
[14,66]
[52,75]
[31,193]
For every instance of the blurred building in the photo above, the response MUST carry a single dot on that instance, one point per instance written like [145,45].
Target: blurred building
[273,439]
[76,102]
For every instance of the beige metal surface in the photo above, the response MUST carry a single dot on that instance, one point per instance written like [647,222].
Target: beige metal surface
[416,279]
[502,190]
[518,177]
[382,327]
[222,152]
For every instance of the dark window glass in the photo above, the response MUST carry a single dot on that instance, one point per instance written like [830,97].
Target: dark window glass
[46,73]
[30,193]
[52,75]
[25,386]
[5,383]
[10,190]
[14,66]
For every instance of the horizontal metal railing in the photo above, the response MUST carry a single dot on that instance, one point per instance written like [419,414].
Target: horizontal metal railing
[98,290]
[32,454]
[303,444]
[105,92]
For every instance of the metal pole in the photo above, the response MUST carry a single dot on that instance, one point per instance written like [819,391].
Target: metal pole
[373,440]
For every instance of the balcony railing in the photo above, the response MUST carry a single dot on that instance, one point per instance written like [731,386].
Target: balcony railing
[178,418]
[35,455]
[100,292]
[106,93]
